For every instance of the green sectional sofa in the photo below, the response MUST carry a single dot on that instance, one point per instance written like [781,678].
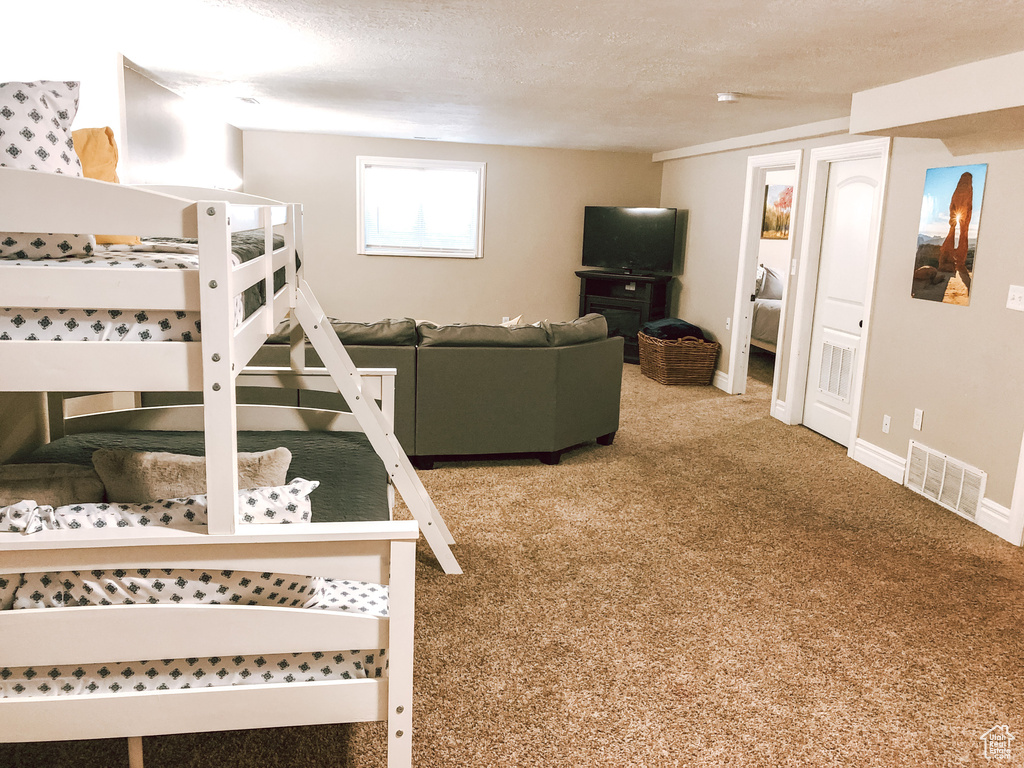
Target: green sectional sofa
[484,390]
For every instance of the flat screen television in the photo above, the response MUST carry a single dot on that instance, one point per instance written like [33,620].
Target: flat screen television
[633,240]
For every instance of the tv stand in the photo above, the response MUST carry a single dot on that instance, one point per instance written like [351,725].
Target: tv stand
[627,301]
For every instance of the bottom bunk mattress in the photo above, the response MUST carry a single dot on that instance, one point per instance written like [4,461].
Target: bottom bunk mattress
[180,674]
[353,480]
[66,590]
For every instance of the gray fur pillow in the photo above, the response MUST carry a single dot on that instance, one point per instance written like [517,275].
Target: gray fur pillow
[137,476]
[55,485]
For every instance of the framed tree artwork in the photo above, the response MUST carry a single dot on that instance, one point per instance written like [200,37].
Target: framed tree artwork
[778,204]
[947,237]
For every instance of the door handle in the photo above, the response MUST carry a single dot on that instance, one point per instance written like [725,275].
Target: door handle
[860,323]
[753,297]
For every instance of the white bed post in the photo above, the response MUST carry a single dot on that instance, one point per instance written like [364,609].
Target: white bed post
[217,301]
[297,352]
[401,607]
[380,434]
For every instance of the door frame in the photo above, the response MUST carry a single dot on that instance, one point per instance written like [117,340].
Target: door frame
[758,167]
[792,411]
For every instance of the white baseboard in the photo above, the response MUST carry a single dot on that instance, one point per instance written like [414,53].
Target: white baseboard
[721,381]
[887,464]
[779,411]
[993,517]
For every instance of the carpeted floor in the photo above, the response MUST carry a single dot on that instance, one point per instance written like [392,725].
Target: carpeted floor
[714,589]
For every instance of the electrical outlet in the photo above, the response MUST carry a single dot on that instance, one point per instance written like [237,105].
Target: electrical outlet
[1015,299]
[885,424]
[728,323]
[918,418]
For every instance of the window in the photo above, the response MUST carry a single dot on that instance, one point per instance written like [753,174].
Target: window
[420,207]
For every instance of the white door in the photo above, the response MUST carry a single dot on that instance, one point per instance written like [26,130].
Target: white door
[852,204]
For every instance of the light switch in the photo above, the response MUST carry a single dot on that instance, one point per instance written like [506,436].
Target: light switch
[1015,300]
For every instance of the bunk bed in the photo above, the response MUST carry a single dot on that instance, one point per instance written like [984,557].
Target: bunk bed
[59,559]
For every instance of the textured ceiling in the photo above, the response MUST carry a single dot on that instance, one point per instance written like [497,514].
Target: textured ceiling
[591,74]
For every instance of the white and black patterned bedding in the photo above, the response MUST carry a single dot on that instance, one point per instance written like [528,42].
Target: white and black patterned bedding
[181,586]
[191,587]
[178,674]
[62,324]
[282,504]
[20,324]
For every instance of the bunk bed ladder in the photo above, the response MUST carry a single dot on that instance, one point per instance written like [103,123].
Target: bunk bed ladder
[380,434]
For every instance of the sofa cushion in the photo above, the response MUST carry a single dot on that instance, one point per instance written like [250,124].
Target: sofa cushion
[383,333]
[470,335]
[590,327]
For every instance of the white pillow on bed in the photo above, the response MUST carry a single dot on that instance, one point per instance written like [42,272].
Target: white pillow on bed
[769,283]
[35,135]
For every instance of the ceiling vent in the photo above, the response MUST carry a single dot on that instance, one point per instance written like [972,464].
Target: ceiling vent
[946,481]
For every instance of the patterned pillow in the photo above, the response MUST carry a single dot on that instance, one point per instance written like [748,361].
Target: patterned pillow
[39,245]
[35,126]
[35,135]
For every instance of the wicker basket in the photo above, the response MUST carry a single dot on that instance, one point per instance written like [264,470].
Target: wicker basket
[682,361]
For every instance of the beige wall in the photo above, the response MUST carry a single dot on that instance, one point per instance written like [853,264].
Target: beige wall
[959,364]
[533,225]
[956,363]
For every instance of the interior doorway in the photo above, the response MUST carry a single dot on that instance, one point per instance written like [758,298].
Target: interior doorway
[835,287]
[763,274]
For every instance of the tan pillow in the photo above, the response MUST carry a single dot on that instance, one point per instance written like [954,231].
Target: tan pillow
[132,476]
[53,484]
[97,150]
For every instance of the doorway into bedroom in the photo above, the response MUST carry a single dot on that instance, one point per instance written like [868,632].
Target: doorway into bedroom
[762,280]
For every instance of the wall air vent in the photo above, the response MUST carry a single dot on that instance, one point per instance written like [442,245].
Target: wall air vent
[836,370]
[946,481]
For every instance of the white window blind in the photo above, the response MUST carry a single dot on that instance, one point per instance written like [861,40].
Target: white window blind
[420,207]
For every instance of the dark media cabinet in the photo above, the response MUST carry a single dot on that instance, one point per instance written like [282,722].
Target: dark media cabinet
[626,301]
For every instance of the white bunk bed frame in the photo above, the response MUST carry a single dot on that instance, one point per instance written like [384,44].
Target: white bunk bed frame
[379,552]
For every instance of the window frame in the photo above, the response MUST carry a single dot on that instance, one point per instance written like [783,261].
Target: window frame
[363,161]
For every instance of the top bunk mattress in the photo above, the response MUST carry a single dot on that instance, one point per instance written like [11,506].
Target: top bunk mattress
[353,480]
[129,323]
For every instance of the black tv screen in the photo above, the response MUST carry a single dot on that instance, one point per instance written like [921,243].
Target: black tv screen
[633,240]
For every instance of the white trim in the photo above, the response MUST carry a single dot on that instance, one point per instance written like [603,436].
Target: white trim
[883,462]
[1017,502]
[997,519]
[758,167]
[779,409]
[993,517]
[807,278]
[363,161]
[721,381]
[794,133]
